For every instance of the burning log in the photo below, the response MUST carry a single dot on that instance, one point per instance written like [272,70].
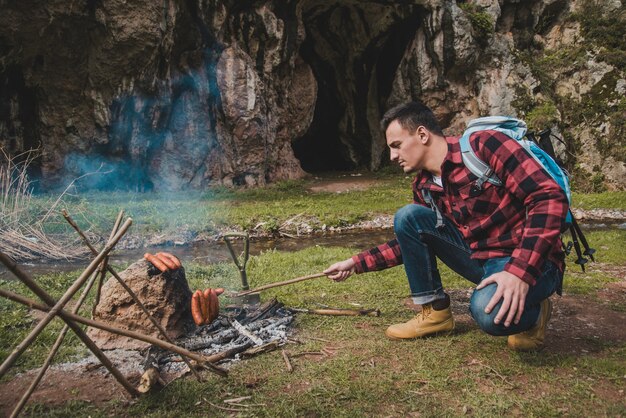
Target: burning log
[262,327]
[245,332]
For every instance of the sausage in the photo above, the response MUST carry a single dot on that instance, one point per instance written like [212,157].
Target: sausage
[211,310]
[204,304]
[155,262]
[174,259]
[196,311]
[215,304]
[165,260]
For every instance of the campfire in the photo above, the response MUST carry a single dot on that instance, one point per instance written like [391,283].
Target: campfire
[149,309]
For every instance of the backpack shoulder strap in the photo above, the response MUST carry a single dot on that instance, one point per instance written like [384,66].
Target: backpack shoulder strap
[430,202]
[477,166]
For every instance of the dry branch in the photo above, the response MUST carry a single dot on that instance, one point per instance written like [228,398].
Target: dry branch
[69,317]
[339,312]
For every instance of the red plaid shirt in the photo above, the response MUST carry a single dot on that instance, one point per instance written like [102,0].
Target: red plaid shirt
[522,219]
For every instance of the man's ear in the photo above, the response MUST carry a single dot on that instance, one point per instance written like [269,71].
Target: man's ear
[422,134]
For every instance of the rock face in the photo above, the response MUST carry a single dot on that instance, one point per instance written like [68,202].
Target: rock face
[172,95]
[166,296]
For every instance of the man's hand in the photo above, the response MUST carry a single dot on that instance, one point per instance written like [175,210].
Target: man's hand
[512,290]
[340,271]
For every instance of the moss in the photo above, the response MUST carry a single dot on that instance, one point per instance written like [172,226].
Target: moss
[604,29]
[482,22]
[544,115]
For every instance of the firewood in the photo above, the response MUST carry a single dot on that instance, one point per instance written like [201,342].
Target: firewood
[339,312]
[150,379]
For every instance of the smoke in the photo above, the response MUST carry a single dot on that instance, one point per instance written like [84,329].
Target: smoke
[156,140]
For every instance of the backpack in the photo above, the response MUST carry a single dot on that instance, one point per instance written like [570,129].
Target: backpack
[516,129]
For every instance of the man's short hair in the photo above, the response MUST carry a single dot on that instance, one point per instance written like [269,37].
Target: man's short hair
[410,116]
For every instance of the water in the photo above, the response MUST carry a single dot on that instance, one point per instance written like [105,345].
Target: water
[206,253]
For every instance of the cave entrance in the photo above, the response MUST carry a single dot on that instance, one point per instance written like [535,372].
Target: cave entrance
[354,52]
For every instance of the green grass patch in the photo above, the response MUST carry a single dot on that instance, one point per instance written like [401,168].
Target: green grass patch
[365,374]
[605,200]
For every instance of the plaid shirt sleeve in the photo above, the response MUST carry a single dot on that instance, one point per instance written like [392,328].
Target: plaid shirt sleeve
[378,258]
[546,203]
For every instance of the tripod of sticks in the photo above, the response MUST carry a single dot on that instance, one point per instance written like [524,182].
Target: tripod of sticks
[96,270]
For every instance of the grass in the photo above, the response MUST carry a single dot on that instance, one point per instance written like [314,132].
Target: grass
[262,210]
[467,373]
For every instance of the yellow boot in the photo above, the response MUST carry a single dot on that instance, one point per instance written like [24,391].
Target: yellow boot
[533,338]
[427,322]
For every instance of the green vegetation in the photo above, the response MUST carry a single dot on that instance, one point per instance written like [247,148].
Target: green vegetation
[363,373]
[600,51]
[482,22]
[264,210]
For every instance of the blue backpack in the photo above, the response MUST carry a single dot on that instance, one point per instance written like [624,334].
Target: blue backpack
[516,129]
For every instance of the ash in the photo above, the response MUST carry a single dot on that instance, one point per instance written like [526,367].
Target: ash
[262,325]
[269,322]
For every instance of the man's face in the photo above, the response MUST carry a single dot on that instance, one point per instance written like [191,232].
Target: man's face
[406,149]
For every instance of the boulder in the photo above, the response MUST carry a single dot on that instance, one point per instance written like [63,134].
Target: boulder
[166,296]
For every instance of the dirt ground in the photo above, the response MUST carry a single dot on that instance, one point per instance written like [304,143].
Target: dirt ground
[343,183]
[579,325]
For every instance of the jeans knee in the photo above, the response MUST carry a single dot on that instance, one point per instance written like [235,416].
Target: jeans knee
[479,301]
[409,216]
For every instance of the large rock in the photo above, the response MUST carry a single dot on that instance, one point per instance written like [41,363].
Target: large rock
[166,296]
[176,95]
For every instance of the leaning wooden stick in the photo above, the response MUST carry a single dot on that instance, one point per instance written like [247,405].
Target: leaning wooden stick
[69,317]
[277,284]
[34,287]
[57,344]
[105,263]
[62,301]
[53,351]
[339,312]
[130,292]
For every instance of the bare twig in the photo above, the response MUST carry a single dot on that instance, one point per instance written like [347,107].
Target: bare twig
[287,362]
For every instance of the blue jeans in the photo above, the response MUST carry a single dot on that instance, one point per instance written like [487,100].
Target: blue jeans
[421,244]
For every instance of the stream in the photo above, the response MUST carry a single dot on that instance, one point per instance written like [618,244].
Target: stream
[206,253]
[216,252]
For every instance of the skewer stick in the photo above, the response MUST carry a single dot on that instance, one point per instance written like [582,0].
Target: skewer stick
[132,294]
[277,284]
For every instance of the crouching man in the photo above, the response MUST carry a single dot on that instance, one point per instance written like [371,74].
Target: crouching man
[505,239]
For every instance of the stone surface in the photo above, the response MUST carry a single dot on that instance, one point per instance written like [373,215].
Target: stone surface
[176,95]
[166,296]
